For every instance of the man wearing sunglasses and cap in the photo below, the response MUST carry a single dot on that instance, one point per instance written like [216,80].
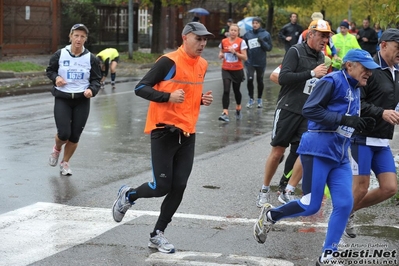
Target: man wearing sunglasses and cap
[370,149]
[174,87]
[333,111]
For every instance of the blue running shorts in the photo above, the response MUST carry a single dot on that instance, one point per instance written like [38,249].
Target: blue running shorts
[378,159]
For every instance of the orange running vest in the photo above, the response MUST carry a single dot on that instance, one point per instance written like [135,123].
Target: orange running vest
[190,74]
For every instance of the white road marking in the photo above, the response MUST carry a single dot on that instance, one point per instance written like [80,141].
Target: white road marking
[40,230]
[194,259]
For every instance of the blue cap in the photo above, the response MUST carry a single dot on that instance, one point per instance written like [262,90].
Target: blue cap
[361,56]
[344,24]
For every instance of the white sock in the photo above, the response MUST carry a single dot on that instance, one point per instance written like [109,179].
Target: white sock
[290,188]
[269,216]
[267,188]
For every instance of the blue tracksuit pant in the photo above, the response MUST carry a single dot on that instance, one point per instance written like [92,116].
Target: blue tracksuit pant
[317,172]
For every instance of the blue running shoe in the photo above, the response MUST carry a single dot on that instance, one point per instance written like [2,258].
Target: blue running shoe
[250,104]
[260,104]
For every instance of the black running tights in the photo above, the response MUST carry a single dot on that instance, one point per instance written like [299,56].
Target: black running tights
[226,93]
[70,117]
[172,157]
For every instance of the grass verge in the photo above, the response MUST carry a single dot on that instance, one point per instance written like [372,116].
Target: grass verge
[139,57]
[16,66]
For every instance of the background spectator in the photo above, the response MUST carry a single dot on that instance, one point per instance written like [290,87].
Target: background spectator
[290,32]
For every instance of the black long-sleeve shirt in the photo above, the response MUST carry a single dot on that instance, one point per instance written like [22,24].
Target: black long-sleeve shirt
[164,67]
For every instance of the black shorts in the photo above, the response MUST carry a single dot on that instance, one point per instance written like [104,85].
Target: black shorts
[288,128]
[116,59]
[237,76]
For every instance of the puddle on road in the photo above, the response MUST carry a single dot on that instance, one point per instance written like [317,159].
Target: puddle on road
[384,232]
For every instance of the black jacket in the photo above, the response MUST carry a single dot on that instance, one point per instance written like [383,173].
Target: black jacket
[380,93]
[293,30]
[295,72]
[371,35]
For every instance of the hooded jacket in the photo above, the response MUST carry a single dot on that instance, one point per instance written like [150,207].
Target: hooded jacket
[259,42]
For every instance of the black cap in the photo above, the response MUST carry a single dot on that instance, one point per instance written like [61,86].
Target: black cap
[230,20]
[390,35]
[79,26]
[258,19]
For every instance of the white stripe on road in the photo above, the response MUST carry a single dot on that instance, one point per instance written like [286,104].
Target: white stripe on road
[40,230]
[43,229]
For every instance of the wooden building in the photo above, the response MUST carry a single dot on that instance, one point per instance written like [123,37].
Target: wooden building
[29,26]
[37,26]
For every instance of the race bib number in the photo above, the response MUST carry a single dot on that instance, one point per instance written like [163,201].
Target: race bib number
[309,85]
[74,75]
[253,43]
[345,131]
[230,58]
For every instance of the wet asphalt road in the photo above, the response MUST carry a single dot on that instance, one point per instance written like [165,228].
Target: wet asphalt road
[114,151]
[113,136]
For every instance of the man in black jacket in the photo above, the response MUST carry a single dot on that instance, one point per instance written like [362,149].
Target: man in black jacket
[370,149]
[290,32]
[367,38]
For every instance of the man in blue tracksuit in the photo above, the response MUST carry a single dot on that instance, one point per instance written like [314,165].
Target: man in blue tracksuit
[259,42]
[333,111]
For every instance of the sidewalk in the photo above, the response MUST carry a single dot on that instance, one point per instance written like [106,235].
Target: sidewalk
[12,84]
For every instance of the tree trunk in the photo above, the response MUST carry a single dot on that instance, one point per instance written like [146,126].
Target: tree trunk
[158,44]
[270,16]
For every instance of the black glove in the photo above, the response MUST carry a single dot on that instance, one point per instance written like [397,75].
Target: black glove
[260,40]
[370,123]
[356,122]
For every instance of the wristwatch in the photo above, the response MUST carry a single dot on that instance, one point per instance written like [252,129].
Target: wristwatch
[312,74]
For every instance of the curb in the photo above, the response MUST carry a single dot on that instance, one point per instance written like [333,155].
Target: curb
[6,75]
